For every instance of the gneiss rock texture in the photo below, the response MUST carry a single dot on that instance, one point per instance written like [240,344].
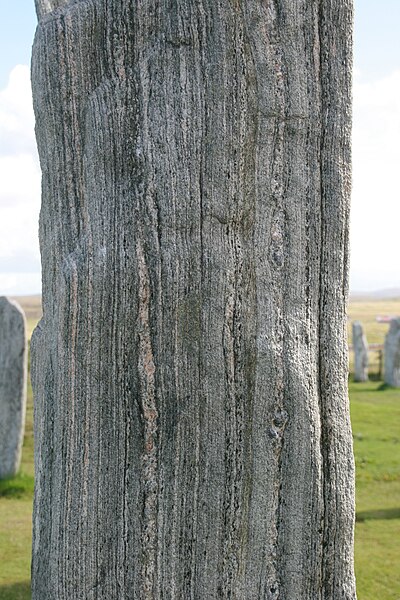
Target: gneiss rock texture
[13,365]
[192,427]
[360,347]
[392,354]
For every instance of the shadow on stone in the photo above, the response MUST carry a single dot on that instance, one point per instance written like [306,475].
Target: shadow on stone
[16,591]
[387,513]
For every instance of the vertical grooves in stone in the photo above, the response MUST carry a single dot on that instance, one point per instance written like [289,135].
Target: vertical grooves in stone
[233,421]
[146,369]
[297,522]
[338,578]
[277,253]
[189,369]
[236,379]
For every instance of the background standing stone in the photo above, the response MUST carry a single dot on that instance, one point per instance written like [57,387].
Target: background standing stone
[13,379]
[392,354]
[360,347]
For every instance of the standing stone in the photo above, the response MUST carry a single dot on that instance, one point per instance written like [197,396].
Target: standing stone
[360,348]
[192,428]
[13,378]
[392,354]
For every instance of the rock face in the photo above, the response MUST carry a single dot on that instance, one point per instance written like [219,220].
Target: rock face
[190,371]
[392,354]
[360,347]
[13,374]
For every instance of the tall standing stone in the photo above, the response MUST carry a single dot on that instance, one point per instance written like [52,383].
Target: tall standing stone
[191,415]
[360,348]
[392,354]
[13,379]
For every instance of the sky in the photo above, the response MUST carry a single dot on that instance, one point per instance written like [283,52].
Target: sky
[375,209]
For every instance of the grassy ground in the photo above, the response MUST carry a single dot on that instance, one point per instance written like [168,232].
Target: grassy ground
[375,412]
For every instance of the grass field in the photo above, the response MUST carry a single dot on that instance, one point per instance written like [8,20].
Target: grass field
[375,412]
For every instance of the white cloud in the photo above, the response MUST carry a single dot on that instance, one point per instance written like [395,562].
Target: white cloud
[19,187]
[375,217]
[20,284]
[20,180]
[16,114]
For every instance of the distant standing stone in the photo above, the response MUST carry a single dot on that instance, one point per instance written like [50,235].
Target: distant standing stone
[360,346]
[13,376]
[392,354]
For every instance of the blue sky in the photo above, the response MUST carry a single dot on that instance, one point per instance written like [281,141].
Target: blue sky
[376,37]
[17,28]
[375,250]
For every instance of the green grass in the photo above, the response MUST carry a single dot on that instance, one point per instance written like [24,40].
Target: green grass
[375,412]
[15,541]
[375,415]
[16,591]
[15,522]
[377,559]
[17,487]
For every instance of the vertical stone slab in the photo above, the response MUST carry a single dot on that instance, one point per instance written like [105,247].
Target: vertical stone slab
[360,347]
[13,369]
[392,354]
[192,432]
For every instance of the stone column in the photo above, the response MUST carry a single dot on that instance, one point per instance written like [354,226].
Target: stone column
[13,374]
[192,431]
[392,354]
[360,346]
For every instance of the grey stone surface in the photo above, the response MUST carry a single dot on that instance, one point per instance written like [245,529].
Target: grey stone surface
[190,372]
[360,348]
[392,354]
[13,365]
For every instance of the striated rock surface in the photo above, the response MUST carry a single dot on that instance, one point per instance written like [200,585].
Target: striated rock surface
[392,354]
[190,371]
[13,379]
[360,348]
